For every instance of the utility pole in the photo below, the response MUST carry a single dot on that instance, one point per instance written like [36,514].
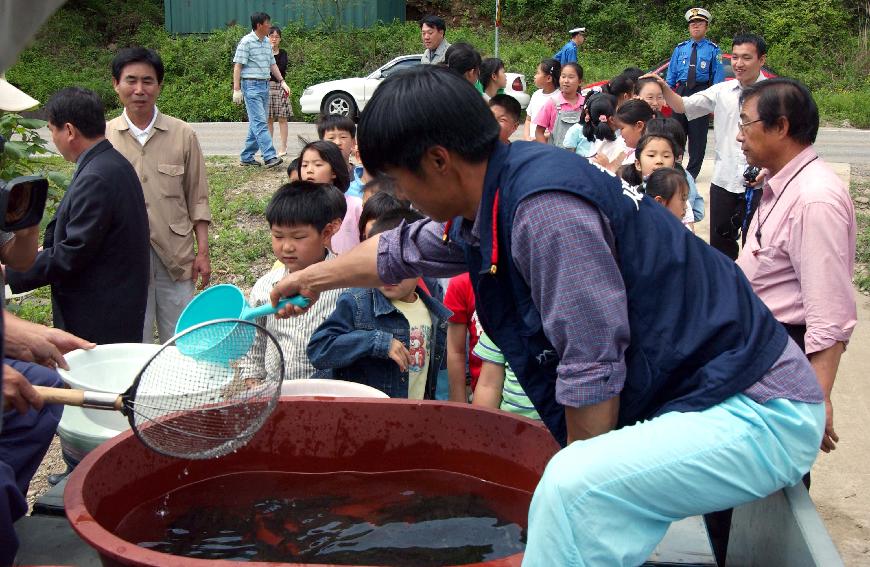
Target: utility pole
[497,23]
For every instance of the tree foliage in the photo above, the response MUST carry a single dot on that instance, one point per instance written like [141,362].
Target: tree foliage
[823,43]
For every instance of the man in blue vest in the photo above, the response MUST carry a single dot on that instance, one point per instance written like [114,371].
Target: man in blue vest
[637,343]
[568,53]
[695,65]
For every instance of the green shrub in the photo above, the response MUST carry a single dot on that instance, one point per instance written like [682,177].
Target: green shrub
[23,144]
[853,107]
[817,43]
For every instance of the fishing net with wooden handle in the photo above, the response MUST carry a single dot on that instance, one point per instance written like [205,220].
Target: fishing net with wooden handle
[207,391]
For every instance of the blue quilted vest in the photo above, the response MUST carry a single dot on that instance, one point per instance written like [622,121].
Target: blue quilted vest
[699,334]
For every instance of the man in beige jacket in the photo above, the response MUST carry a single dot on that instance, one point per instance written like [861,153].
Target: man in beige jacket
[166,155]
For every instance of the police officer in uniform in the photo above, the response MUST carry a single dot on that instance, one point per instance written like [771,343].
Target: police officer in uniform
[695,65]
[568,53]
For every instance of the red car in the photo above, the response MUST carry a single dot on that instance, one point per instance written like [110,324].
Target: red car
[662,70]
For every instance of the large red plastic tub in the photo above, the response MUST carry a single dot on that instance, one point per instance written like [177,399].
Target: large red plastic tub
[310,435]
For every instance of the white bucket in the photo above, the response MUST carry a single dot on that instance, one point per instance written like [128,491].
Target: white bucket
[328,387]
[80,435]
[105,368]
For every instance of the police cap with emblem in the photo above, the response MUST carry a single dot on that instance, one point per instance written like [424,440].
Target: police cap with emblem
[698,14]
[575,31]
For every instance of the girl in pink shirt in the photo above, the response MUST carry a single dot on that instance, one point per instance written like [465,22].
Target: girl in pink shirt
[563,111]
[322,162]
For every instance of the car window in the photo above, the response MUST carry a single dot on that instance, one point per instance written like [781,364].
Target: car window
[400,66]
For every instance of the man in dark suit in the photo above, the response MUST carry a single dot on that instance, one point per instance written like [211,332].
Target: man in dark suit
[96,250]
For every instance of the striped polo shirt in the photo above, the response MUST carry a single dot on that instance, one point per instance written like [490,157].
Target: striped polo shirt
[294,333]
[255,56]
[513,397]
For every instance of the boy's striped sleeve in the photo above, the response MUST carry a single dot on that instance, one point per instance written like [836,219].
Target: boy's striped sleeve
[488,351]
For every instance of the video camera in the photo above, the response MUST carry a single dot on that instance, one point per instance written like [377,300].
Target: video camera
[22,200]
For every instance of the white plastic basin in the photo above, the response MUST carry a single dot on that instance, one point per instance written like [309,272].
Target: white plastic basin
[106,368]
[328,387]
[79,435]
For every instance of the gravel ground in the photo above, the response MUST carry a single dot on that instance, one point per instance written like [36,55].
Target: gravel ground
[51,464]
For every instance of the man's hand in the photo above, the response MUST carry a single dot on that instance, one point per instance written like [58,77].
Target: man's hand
[47,348]
[830,437]
[672,99]
[662,83]
[237,96]
[825,363]
[400,355]
[43,345]
[18,393]
[290,285]
[201,269]
[760,178]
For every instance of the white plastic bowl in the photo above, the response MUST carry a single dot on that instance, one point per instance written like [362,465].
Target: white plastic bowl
[106,368]
[328,387]
[79,435]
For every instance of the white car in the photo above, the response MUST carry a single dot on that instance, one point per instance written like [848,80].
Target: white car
[349,96]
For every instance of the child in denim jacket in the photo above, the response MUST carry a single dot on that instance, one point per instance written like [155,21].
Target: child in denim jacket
[392,338]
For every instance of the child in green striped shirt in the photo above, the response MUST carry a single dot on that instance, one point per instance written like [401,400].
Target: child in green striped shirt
[498,386]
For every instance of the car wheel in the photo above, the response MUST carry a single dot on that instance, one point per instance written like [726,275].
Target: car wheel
[340,103]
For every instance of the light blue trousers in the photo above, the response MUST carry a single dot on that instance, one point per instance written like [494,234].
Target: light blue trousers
[256,95]
[609,500]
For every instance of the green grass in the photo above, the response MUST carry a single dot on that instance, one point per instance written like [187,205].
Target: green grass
[35,307]
[853,106]
[239,236]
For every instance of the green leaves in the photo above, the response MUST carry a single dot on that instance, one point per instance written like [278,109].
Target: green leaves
[16,150]
[31,123]
[76,46]
[19,156]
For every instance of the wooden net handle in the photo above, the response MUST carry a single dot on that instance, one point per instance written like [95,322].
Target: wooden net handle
[80,398]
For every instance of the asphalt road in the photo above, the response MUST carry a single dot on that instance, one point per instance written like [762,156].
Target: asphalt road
[842,145]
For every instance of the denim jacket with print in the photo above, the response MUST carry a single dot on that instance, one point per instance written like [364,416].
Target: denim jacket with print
[355,341]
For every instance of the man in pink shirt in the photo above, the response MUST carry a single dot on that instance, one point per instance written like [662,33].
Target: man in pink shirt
[800,246]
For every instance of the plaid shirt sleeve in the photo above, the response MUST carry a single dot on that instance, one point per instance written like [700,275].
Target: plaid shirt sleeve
[577,288]
[411,250]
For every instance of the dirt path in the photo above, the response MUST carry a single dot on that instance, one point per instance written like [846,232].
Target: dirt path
[841,479]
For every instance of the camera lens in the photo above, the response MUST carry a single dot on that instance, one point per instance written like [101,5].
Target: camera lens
[18,203]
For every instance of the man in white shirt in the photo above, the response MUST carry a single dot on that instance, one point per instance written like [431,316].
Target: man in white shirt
[727,192]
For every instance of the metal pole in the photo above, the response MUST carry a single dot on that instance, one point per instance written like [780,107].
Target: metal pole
[497,23]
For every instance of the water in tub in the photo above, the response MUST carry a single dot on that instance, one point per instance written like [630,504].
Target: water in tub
[419,517]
